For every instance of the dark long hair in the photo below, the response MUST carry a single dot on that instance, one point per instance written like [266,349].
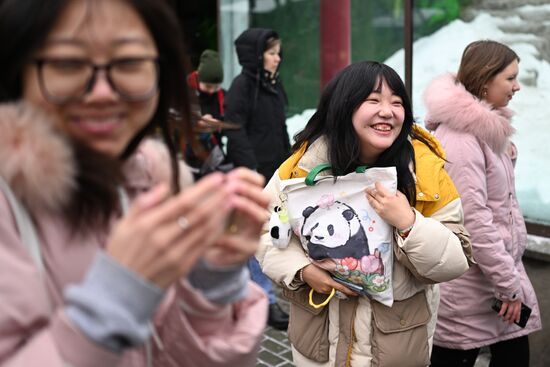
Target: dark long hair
[24,26]
[333,120]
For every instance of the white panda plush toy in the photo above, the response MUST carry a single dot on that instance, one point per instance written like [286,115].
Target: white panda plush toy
[279,227]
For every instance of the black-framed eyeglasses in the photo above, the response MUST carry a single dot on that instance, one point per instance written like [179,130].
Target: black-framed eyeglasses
[65,80]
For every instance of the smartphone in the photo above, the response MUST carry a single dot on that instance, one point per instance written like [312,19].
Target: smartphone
[524,314]
[231,225]
[354,287]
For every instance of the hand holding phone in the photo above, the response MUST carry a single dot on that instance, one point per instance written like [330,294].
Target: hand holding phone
[354,287]
[524,313]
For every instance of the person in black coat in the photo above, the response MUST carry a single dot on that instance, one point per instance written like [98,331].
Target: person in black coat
[257,101]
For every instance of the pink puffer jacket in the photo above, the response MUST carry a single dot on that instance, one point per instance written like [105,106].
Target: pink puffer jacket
[475,137]
[34,330]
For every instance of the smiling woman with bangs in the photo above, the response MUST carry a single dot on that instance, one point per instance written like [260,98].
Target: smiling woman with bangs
[364,117]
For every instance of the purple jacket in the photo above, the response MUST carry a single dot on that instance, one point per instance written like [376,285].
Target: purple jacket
[35,329]
[475,137]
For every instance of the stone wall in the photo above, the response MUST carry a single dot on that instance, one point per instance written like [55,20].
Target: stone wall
[505,4]
[533,21]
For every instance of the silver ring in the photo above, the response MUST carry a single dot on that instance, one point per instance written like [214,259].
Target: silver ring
[182,222]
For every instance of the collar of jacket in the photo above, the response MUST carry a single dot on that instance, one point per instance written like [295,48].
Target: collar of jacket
[304,160]
[433,185]
[193,80]
[270,78]
[37,161]
[449,103]
[263,79]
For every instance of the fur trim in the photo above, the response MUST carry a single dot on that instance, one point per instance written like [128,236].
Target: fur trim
[35,160]
[449,103]
[150,166]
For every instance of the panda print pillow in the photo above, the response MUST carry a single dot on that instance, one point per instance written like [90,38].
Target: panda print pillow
[339,230]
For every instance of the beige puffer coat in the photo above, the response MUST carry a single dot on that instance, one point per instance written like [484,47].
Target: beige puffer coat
[359,332]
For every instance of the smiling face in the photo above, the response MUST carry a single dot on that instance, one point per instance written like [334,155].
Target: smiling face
[99,32]
[378,122]
[272,58]
[500,90]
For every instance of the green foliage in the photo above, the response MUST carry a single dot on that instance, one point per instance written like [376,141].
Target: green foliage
[434,14]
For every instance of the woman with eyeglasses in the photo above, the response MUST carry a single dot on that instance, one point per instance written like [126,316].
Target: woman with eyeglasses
[109,255]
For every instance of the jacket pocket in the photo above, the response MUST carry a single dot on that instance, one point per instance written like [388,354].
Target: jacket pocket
[308,326]
[506,235]
[400,333]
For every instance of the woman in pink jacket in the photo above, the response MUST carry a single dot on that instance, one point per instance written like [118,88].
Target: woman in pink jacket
[469,115]
[105,258]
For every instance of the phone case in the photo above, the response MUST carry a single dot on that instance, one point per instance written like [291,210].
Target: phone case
[524,313]
[354,287]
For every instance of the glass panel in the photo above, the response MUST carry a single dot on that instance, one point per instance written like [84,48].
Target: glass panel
[376,33]
[440,40]
[300,46]
[376,29]
[234,19]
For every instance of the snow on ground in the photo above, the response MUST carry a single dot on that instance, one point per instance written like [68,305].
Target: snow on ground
[441,52]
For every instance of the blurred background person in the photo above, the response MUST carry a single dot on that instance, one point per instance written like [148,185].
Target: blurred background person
[469,114]
[257,101]
[122,260]
[206,81]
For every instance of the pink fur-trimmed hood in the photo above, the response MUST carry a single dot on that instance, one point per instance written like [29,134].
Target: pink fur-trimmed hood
[35,160]
[449,103]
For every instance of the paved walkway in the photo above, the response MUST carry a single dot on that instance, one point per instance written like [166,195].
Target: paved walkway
[275,349]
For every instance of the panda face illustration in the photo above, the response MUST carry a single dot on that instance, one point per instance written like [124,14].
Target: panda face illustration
[329,227]
[334,231]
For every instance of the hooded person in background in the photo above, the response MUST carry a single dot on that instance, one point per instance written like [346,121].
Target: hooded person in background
[206,81]
[256,100]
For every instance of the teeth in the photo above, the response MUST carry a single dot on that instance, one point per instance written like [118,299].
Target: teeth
[103,120]
[382,127]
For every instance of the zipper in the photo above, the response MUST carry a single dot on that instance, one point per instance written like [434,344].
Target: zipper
[514,249]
